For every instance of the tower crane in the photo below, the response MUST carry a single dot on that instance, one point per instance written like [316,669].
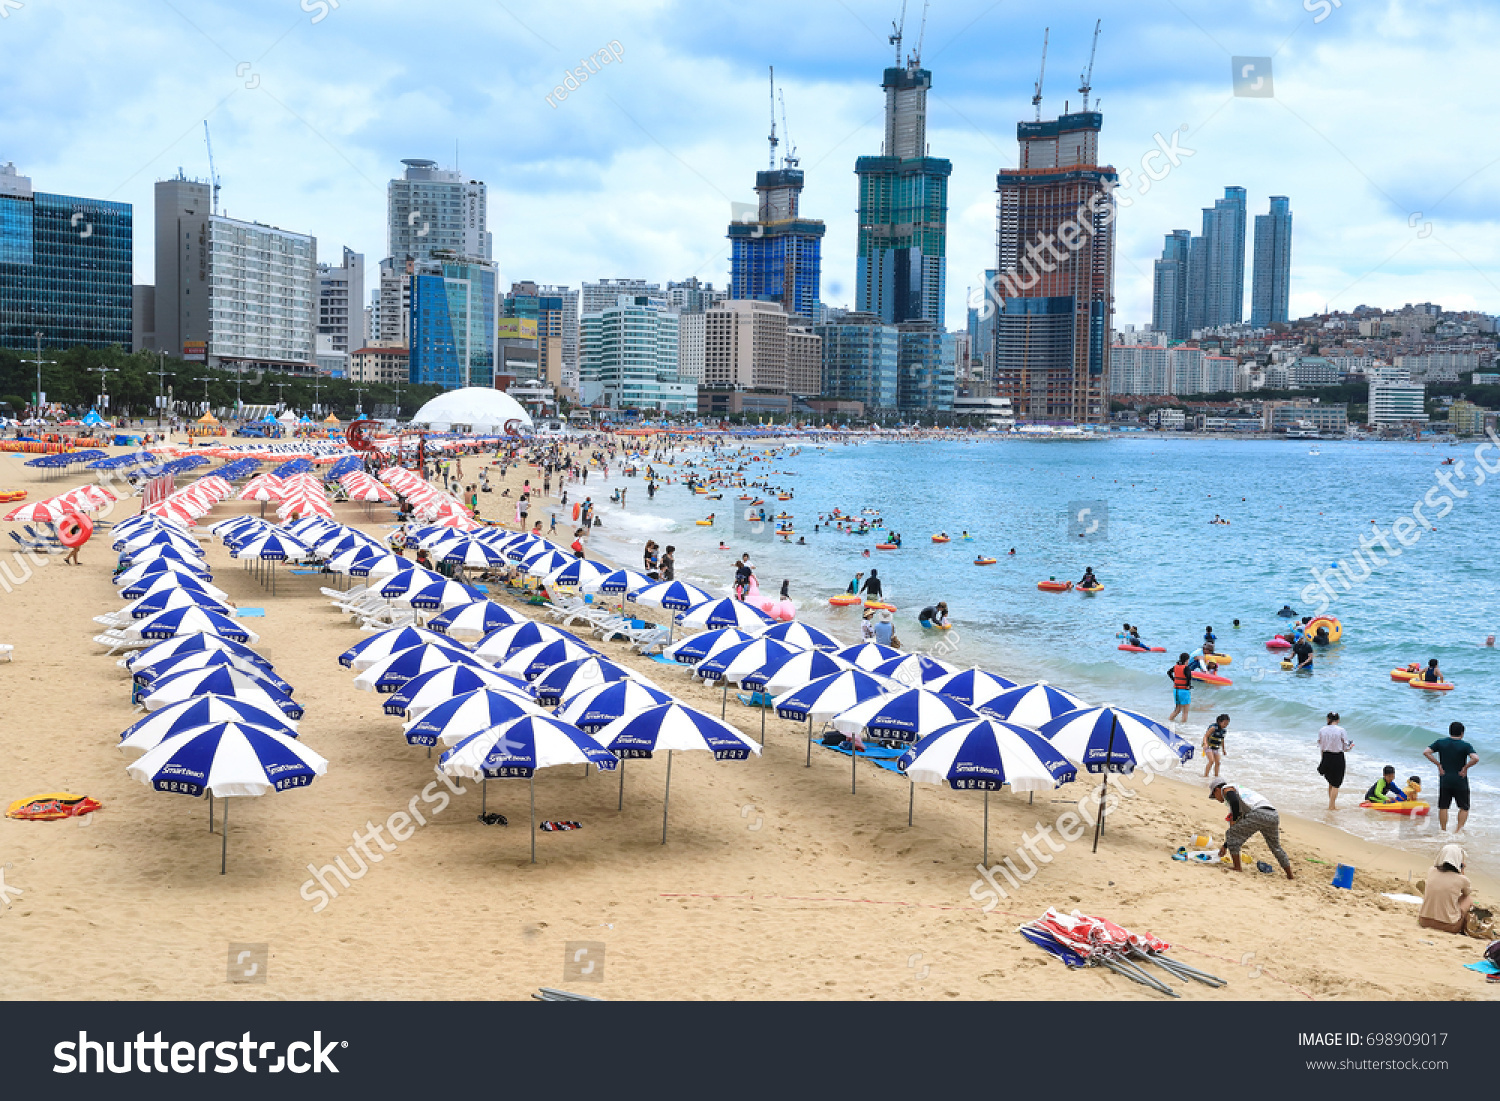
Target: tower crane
[1036,99]
[213,175]
[1086,79]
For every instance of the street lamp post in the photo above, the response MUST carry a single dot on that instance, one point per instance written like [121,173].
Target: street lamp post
[206,379]
[161,374]
[104,373]
[359,393]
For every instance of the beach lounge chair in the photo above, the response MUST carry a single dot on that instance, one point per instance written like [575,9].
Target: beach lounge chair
[116,642]
[7,652]
[651,641]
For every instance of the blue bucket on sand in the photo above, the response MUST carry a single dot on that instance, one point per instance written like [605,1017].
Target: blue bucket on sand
[1344,876]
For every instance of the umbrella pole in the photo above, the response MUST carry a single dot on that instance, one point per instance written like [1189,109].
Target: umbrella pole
[724,700]
[911,801]
[986,827]
[1109,756]
[666,800]
[853,764]
[762,724]
[621,767]
[533,815]
[809,741]
[484,796]
[210,812]
[224,841]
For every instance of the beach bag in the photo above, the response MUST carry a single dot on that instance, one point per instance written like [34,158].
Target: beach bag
[1480,924]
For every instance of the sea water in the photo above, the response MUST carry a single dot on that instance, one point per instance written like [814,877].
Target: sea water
[1139,511]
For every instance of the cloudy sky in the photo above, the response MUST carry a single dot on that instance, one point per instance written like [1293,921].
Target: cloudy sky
[1380,128]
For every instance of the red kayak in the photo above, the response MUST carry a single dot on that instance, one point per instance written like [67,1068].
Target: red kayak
[1144,650]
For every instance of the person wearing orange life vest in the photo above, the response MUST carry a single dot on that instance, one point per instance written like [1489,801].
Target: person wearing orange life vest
[1182,687]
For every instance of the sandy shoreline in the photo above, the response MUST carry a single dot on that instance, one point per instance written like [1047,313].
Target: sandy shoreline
[776,882]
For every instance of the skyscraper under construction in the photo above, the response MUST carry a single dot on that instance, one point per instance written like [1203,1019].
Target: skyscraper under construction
[903,206]
[1054,291]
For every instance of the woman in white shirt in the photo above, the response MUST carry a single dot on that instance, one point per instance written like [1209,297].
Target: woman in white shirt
[1334,743]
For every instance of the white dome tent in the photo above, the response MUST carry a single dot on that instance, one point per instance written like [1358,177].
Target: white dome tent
[481,410]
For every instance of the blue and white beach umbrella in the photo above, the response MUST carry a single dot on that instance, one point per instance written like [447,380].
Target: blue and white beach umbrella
[161,554]
[220,681]
[420,694]
[822,699]
[905,716]
[673,727]
[171,579]
[147,675]
[159,538]
[472,553]
[390,673]
[474,620]
[973,687]
[745,659]
[192,644]
[595,707]
[190,714]
[540,565]
[1032,704]
[456,719]
[439,596]
[230,761]
[579,573]
[676,596]
[502,642]
[519,549]
[187,621]
[726,612]
[532,661]
[804,668]
[273,547]
[162,567]
[373,564]
[568,678]
[915,670]
[378,647]
[518,748]
[620,581]
[695,648]
[1112,739]
[166,600]
[869,655]
[413,577]
[986,754]
[799,634]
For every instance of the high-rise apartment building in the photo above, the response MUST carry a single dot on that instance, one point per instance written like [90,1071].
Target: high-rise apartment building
[390,304]
[804,361]
[691,338]
[628,355]
[1054,297]
[1170,294]
[1223,269]
[432,209]
[860,360]
[745,347]
[925,368]
[596,297]
[549,307]
[692,295]
[777,257]
[453,326]
[341,299]
[232,293]
[65,268]
[903,209]
[1270,285]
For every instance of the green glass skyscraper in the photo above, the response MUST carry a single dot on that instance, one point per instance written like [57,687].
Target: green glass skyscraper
[903,210]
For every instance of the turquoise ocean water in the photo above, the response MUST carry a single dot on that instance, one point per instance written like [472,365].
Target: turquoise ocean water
[1167,570]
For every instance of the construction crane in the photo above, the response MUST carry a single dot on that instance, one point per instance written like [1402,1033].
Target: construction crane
[896,29]
[1036,99]
[916,59]
[213,175]
[774,140]
[1086,79]
[790,160]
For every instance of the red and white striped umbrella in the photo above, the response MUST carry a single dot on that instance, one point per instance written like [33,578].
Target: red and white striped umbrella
[262,487]
[50,509]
